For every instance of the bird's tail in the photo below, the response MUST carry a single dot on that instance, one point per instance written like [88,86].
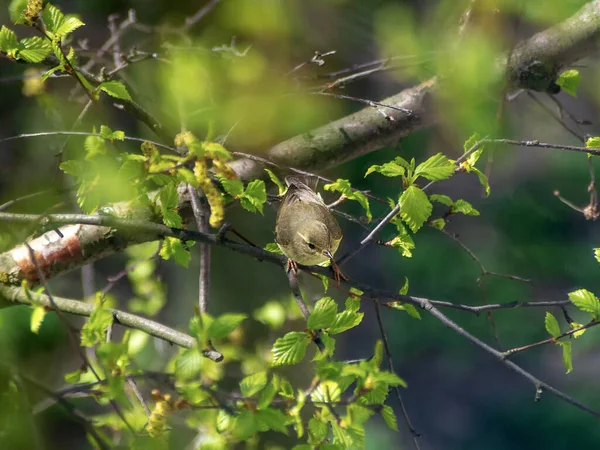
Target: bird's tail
[302,180]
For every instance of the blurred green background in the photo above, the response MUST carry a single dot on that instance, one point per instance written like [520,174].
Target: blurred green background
[233,72]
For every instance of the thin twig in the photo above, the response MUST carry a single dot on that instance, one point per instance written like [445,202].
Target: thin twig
[415,434]
[552,340]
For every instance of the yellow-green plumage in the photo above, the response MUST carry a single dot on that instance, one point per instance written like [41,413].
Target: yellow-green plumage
[306,230]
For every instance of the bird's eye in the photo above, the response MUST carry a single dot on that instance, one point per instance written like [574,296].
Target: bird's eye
[311,246]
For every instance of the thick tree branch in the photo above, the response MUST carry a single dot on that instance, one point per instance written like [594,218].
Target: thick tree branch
[18,295]
[534,64]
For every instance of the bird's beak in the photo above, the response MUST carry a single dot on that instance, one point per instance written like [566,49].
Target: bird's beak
[328,254]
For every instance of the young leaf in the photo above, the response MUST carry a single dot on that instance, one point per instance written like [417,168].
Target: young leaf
[343,187]
[438,223]
[273,247]
[390,418]
[282,188]
[94,330]
[225,324]
[463,207]
[410,309]
[443,199]
[8,41]
[254,196]
[552,326]
[568,81]
[188,364]
[593,142]
[389,169]
[323,314]
[37,317]
[272,314]
[68,25]
[317,431]
[436,168]
[111,135]
[345,320]
[290,349]
[567,348]
[34,49]
[115,89]
[173,248]
[235,188]
[252,384]
[597,254]
[470,143]
[483,179]
[415,207]
[404,290]
[586,301]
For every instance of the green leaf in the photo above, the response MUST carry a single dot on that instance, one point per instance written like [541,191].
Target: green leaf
[567,350]
[282,188]
[343,187]
[389,378]
[404,290]
[16,9]
[597,254]
[403,242]
[132,170]
[568,81]
[34,49]
[390,418]
[72,167]
[173,248]
[327,391]
[273,247]
[254,197]
[115,89]
[323,314]
[344,321]
[575,326]
[224,421]
[593,142]
[272,314]
[317,431]
[268,393]
[389,169]
[272,419]
[252,384]
[8,41]
[329,344]
[586,301]
[214,150]
[473,140]
[188,364]
[111,135]
[438,224]
[70,24]
[53,18]
[443,199]
[37,317]
[223,325]
[94,330]
[410,309]
[552,326]
[415,207]
[482,179]
[463,207]
[235,188]
[438,167]
[290,349]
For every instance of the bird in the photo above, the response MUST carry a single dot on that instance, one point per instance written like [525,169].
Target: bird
[306,230]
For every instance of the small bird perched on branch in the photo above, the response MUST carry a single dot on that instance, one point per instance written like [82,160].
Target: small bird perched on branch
[306,231]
